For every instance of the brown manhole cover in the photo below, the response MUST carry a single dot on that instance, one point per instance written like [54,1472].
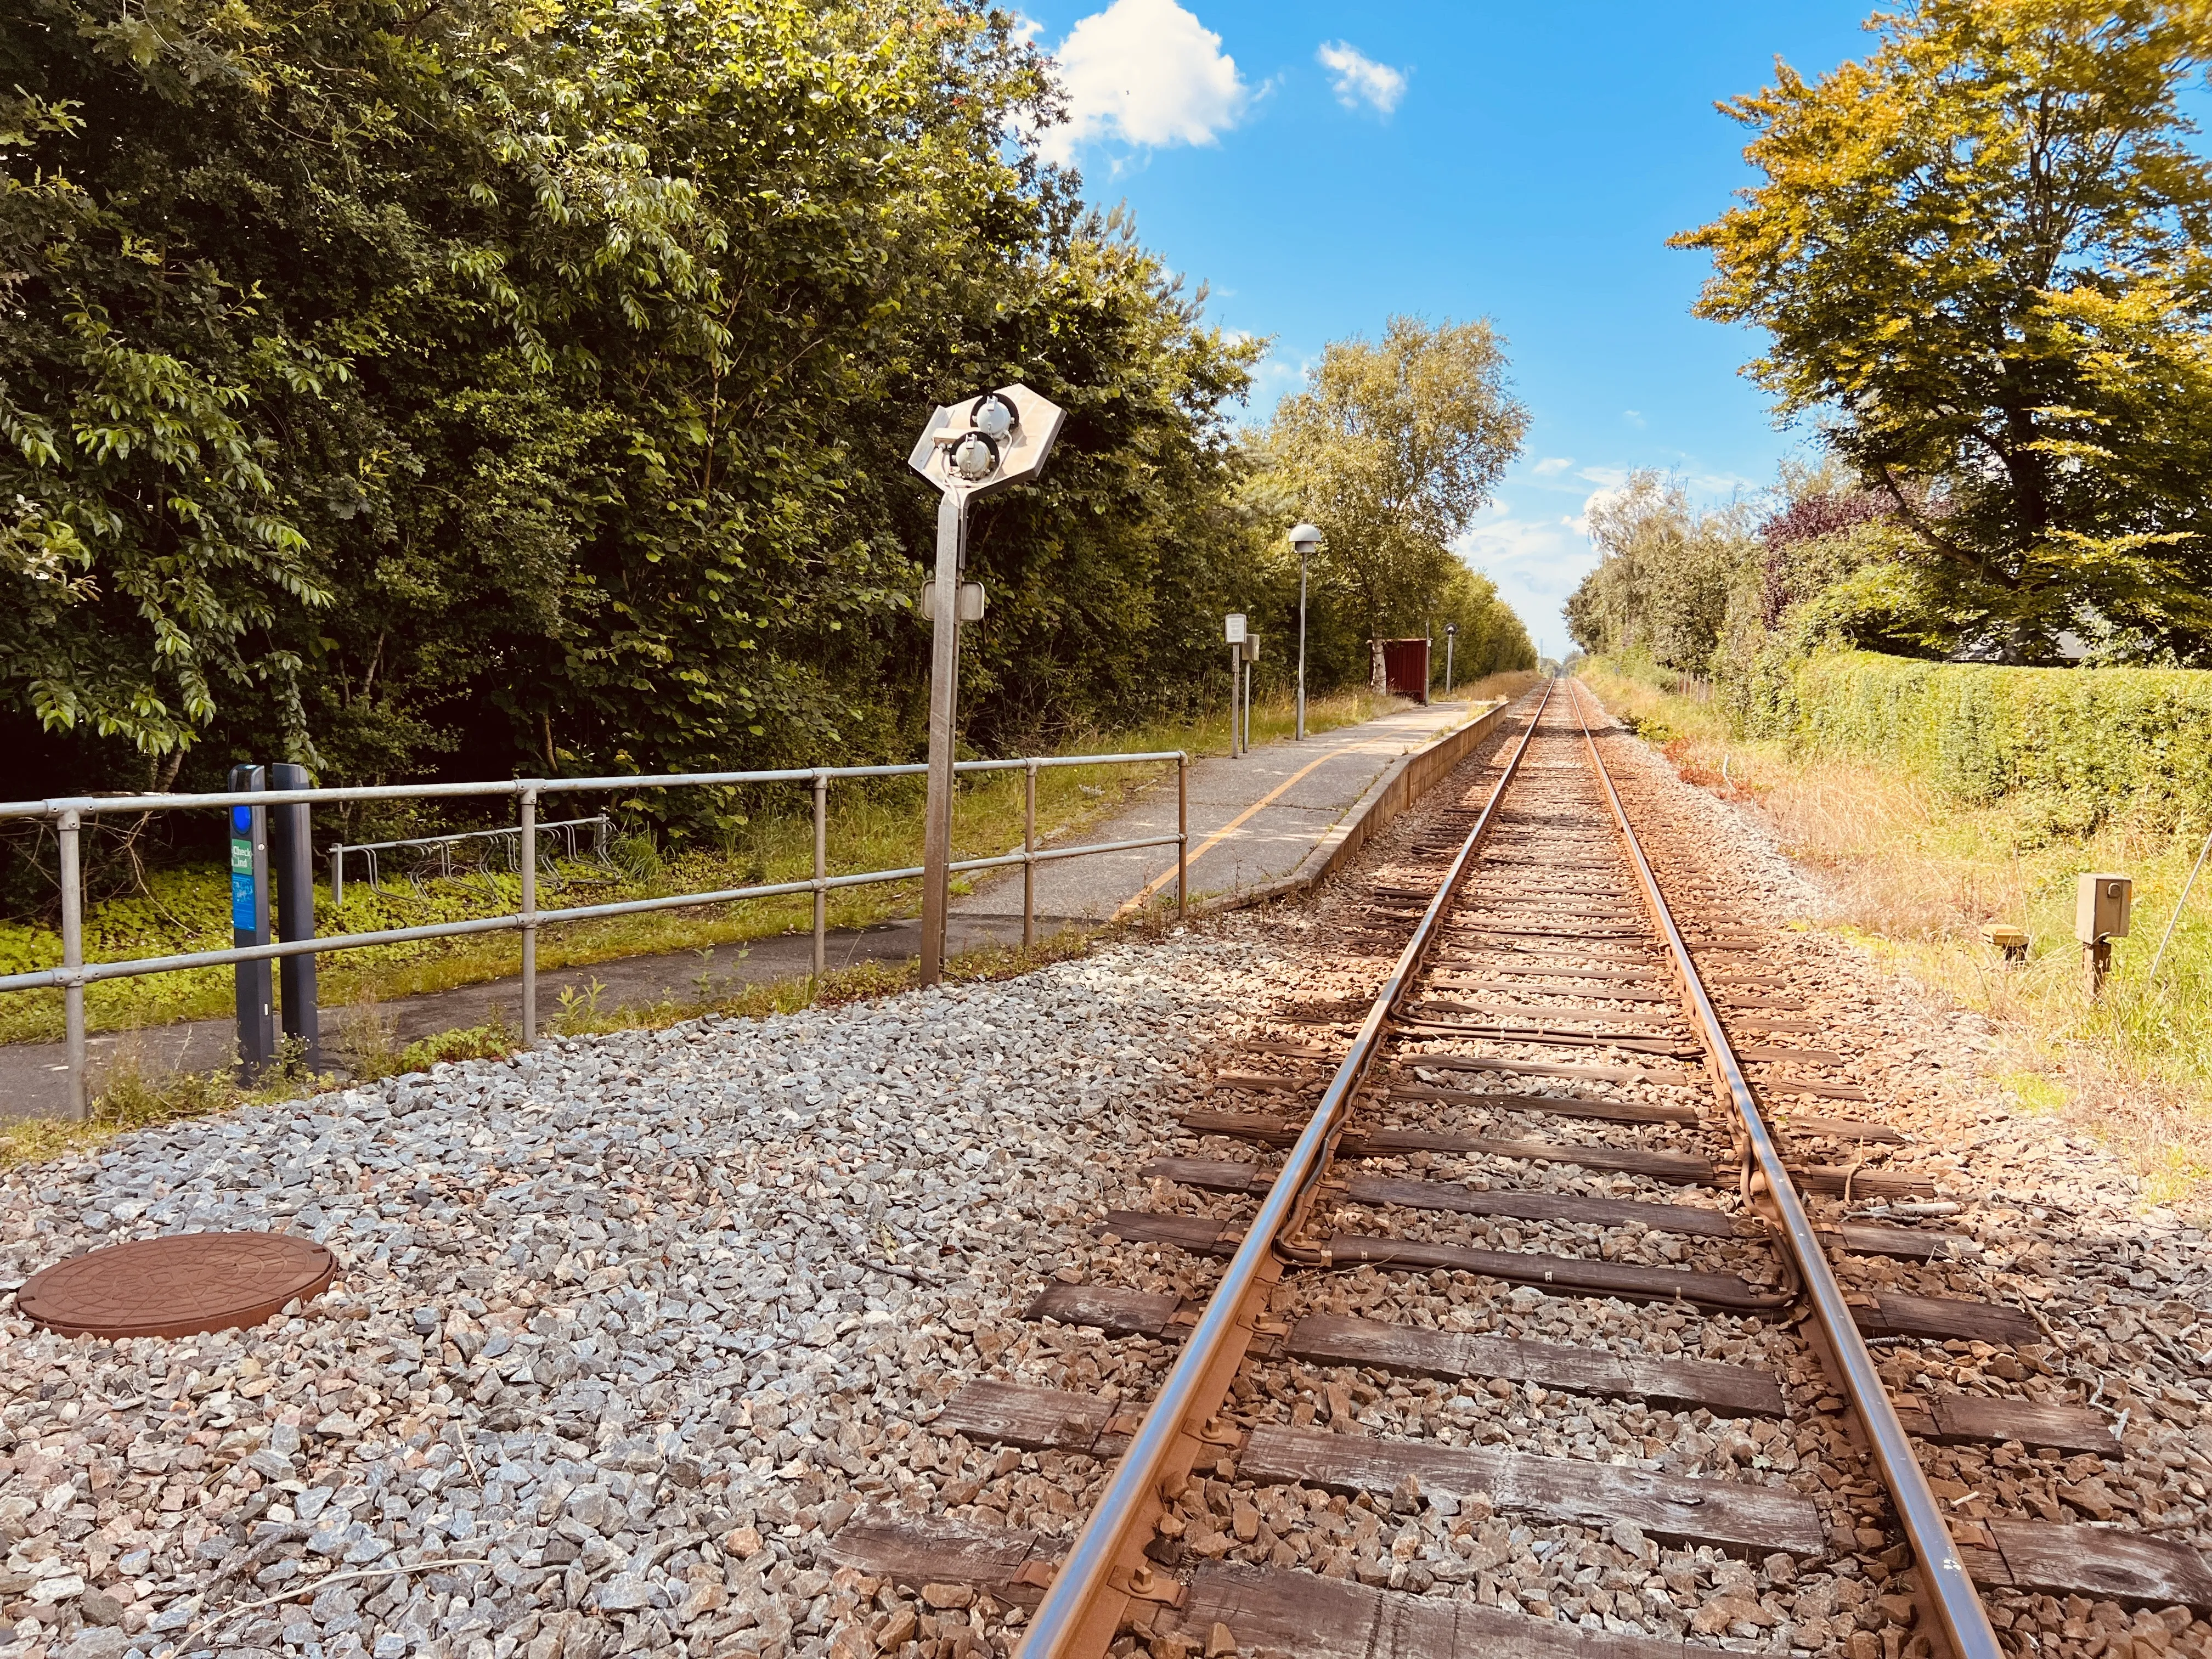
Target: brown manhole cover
[176,1287]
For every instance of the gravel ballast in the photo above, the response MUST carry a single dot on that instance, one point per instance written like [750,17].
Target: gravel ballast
[624,1326]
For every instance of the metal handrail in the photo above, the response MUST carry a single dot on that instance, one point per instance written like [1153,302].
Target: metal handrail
[92,805]
[1081,1611]
[1957,1605]
[92,973]
[75,974]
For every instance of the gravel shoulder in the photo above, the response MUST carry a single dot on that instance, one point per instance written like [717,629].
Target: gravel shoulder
[626,1326]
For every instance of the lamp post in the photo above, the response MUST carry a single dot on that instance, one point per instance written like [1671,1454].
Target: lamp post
[967,450]
[1304,537]
[1451,638]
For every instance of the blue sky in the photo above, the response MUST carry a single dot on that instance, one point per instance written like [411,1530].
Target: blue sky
[1323,166]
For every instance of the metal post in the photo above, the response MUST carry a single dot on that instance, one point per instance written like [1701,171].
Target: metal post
[821,872]
[1302,647]
[249,926]
[1183,833]
[2159,955]
[292,853]
[1028,856]
[526,840]
[1451,639]
[1248,705]
[72,962]
[337,875]
[943,698]
[1235,665]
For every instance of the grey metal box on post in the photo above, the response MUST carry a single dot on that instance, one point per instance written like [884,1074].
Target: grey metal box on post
[2103,904]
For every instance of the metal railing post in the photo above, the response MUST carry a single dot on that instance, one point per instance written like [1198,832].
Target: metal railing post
[72,963]
[1183,833]
[337,875]
[1028,856]
[821,872]
[528,839]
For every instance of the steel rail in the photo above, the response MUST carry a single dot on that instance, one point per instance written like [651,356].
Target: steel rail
[1948,1590]
[1081,1612]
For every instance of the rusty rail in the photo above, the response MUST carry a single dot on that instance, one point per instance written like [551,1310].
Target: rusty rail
[1106,1569]
[1947,1591]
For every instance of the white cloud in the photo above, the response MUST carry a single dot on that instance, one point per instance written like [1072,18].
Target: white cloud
[1604,495]
[1634,417]
[1552,463]
[1358,79]
[1147,72]
[1536,558]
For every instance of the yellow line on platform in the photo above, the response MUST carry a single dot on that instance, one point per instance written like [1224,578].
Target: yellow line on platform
[1144,894]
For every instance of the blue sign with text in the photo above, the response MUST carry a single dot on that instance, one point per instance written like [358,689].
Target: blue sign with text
[243,916]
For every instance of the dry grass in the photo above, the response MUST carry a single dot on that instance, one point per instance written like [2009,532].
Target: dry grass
[1914,877]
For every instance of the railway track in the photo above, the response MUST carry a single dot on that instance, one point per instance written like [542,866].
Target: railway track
[1585,1101]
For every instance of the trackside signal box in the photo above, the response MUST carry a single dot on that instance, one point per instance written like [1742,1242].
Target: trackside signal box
[2102,904]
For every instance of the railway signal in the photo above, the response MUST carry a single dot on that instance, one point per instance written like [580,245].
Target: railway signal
[968,450]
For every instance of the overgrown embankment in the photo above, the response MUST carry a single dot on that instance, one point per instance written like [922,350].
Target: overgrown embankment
[1933,799]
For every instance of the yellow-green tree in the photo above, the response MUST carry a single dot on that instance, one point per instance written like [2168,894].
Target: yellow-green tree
[1979,257]
[1392,448]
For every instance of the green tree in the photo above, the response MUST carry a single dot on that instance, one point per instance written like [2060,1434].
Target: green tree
[1491,638]
[1391,449]
[499,387]
[1978,257]
[1668,576]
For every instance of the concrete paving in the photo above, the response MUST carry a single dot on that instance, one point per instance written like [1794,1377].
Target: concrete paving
[1252,820]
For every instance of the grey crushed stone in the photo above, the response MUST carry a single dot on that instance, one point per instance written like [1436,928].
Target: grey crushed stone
[627,1326]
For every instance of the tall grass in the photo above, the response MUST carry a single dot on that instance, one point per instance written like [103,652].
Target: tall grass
[875,826]
[1914,874]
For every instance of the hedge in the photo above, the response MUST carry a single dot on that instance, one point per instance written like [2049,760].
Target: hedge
[2111,736]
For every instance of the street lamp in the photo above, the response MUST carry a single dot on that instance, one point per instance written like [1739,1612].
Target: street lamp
[969,449]
[1304,537]
[1451,637]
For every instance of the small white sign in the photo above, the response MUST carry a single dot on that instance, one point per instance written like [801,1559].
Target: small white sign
[1233,627]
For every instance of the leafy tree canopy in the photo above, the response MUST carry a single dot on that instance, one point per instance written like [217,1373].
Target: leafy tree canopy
[1391,449]
[1979,257]
[526,385]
